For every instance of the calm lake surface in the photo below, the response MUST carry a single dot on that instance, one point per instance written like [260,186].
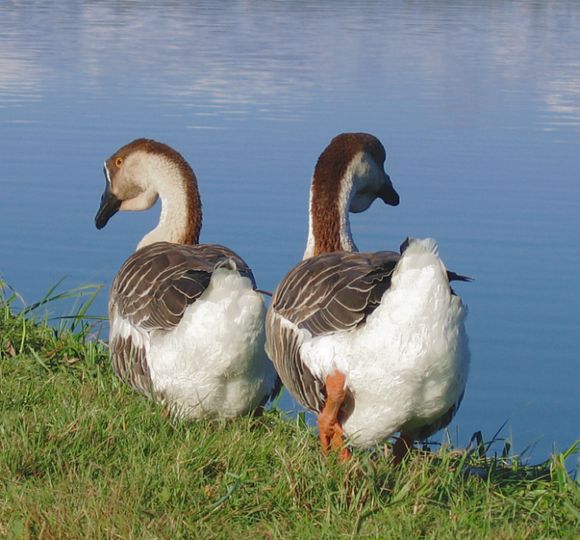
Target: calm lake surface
[478,105]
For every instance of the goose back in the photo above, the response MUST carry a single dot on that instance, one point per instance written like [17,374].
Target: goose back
[150,294]
[333,292]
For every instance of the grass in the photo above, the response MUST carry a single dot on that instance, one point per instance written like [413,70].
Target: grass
[82,456]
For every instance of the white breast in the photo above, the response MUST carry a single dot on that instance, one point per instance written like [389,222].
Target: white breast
[408,363]
[213,363]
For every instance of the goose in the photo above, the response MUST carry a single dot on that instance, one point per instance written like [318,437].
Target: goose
[373,343]
[186,320]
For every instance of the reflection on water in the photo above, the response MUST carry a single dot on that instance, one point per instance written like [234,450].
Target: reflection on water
[478,106]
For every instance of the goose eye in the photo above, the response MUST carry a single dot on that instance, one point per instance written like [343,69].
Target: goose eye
[119,161]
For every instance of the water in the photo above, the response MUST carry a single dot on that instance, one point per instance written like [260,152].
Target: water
[477,105]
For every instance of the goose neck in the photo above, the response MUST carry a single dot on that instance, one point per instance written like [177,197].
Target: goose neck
[329,223]
[180,218]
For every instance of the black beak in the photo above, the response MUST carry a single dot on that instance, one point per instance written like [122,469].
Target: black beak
[109,207]
[388,193]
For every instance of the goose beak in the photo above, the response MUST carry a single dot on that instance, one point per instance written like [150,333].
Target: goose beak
[108,208]
[387,193]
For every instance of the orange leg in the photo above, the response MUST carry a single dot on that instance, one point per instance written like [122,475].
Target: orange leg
[401,447]
[329,428]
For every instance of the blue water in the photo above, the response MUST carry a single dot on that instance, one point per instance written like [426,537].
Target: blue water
[477,105]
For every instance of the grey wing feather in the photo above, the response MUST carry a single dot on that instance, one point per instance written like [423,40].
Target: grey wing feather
[335,291]
[130,364]
[322,295]
[153,289]
[157,283]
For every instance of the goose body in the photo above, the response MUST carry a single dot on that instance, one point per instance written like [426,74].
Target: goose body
[186,323]
[373,342]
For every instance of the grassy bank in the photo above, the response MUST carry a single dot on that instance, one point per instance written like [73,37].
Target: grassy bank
[82,456]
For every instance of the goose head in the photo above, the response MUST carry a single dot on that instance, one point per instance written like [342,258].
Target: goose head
[351,171]
[137,175]
[348,177]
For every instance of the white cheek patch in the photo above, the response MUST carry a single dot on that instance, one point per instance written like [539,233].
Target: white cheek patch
[107,176]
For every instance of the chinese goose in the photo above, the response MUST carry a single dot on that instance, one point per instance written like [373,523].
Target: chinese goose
[372,342]
[186,323]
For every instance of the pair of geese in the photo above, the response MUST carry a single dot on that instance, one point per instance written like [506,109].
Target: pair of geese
[374,343]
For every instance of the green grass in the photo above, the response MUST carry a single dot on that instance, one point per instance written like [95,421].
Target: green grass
[82,456]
